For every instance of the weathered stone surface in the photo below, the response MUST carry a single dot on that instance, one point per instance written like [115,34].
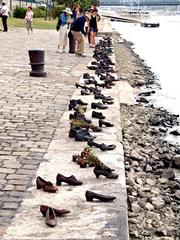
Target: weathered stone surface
[177,161]
[169,174]
[135,207]
[149,207]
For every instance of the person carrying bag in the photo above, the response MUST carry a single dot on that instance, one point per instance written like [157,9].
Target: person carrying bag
[62,27]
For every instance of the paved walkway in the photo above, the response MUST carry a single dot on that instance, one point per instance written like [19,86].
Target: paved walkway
[30,109]
[34,136]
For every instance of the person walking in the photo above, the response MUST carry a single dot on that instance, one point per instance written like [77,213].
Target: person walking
[65,20]
[79,33]
[29,19]
[5,14]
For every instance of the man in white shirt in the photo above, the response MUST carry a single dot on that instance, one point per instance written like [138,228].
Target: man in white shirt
[5,15]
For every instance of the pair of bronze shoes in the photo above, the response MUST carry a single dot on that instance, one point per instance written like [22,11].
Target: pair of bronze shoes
[51,213]
[47,186]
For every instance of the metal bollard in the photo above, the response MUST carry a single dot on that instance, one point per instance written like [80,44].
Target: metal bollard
[36,57]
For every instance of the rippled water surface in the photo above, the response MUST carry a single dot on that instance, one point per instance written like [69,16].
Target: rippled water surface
[160,48]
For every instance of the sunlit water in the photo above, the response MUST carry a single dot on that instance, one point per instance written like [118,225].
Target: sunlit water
[160,48]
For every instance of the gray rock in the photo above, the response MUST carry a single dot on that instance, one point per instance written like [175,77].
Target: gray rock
[135,207]
[135,155]
[175,132]
[161,231]
[139,180]
[157,202]
[169,174]
[149,207]
[155,191]
[132,199]
[162,180]
[176,161]
[148,168]
[177,194]
[150,181]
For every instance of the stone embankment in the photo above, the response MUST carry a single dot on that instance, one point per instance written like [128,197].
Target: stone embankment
[152,188]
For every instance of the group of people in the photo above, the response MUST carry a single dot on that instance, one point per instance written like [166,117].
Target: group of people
[76,25]
[4,14]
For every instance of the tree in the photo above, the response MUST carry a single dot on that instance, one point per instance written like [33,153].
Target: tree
[85,4]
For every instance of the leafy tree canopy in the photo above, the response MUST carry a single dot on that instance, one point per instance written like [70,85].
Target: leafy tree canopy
[85,4]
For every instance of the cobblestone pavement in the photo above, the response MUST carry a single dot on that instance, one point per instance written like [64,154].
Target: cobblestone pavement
[30,110]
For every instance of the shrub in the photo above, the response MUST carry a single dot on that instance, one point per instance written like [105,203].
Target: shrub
[39,12]
[57,10]
[19,12]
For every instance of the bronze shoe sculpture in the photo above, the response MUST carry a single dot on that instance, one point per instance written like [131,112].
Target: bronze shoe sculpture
[58,212]
[102,198]
[102,146]
[46,186]
[51,220]
[98,105]
[105,123]
[98,171]
[69,180]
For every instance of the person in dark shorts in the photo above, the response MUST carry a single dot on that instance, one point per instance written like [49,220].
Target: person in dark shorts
[93,26]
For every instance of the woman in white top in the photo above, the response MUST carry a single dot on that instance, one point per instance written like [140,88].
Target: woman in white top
[5,14]
[29,19]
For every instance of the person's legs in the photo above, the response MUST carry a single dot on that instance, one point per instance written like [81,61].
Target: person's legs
[72,43]
[65,40]
[27,26]
[30,27]
[80,42]
[92,39]
[62,38]
[4,21]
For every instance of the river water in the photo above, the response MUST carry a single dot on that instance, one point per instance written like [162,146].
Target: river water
[160,48]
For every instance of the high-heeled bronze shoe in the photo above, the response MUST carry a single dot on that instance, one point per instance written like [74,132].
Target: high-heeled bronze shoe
[46,186]
[103,198]
[51,220]
[69,180]
[58,212]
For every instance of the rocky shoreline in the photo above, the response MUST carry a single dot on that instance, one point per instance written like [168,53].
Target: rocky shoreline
[153,192]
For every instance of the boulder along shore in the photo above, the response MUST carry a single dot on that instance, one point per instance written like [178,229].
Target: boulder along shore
[153,192]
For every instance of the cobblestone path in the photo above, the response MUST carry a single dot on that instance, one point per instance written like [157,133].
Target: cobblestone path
[30,110]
